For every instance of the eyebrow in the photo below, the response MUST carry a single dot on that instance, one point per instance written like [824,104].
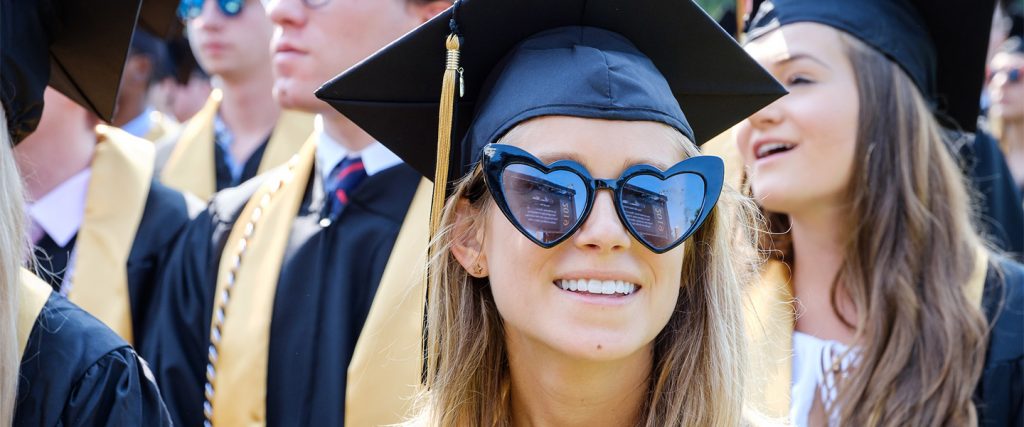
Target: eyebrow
[799,56]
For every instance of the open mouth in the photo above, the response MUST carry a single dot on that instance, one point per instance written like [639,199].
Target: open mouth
[772,148]
[598,287]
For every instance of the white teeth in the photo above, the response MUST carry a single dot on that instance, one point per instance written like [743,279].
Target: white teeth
[770,147]
[593,286]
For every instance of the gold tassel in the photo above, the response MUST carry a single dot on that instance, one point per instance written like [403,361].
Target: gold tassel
[444,144]
[444,132]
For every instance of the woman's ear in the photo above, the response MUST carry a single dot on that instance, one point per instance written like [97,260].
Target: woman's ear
[467,245]
[426,11]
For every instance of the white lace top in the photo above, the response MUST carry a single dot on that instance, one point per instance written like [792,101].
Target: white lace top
[815,367]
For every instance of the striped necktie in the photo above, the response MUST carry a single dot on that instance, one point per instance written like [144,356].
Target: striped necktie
[342,181]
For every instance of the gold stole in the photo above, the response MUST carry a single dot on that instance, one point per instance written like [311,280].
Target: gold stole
[122,170]
[384,374]
[32,296]
[190,166]
[160,126]
[385,368]
[770,318]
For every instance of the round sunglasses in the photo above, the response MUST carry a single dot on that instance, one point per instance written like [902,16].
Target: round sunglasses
[1013,74]
[547,203]
[191,9]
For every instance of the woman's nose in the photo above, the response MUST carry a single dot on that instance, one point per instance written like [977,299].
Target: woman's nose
[603,231]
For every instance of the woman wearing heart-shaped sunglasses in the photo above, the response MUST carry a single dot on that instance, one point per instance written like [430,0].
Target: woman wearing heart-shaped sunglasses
[587,264]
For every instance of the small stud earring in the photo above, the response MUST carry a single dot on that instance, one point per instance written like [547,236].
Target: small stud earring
[478,270]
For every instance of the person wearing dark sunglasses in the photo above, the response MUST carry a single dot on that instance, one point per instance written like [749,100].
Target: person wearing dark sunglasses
[242,130]
[587,262]
[1006,114]
[296,331]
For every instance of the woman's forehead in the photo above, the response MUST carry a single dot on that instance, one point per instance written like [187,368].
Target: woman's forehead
[797,40]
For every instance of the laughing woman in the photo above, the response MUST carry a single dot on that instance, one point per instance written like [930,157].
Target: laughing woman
[904,317]
[582,273]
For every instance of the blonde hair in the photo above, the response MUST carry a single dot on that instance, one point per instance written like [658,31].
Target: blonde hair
[697,371]
[910,249]
[12,246]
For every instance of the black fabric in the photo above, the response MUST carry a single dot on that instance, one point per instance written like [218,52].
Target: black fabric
[709,77]
[223,171]
[164,218]
[941,44]
[1000,215]
[77,372]
[72,45]
[328,279]
[999,396]
[52,260]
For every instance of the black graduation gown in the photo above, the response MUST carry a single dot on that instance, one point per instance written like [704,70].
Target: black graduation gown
[327,282]
[249,170]
[164,218]
[1000,393]
[77,372]
[1002,219]
[222,171]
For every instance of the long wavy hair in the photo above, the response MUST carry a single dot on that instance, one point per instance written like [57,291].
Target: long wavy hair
[910,249]
[697,371]
[12,247]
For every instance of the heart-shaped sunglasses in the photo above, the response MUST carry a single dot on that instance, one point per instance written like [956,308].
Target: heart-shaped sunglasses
[549,202]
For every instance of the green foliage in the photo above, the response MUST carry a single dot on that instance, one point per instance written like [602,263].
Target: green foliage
[716,8]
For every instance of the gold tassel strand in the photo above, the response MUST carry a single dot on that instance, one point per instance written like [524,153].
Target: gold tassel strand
[445,117]
[444,131]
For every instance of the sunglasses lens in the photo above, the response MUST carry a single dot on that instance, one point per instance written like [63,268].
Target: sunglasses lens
[662,211]
[231,7]
[189,9]
[545,205]
[1013,76]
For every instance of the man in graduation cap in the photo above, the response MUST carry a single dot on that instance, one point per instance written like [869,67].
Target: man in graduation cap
[241,131]
[74,370]
[267,294]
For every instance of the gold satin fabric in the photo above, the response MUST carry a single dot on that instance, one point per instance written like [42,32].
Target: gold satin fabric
[384,374]
[32,296]
[122,171]
[190,166]
[160,126]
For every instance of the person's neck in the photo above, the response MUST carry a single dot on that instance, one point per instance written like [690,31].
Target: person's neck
[249,110]
[819,252]
[550,389]
[53,155]
[344,132]
[1013,134]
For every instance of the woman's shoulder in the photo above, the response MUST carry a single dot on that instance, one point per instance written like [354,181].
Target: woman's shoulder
[74,367]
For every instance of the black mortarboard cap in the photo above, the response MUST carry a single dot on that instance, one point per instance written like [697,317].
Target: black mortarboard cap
[76,46]
[659,60]
[160,18]
[940,44]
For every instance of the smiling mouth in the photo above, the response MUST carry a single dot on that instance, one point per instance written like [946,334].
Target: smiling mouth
[598,287]
[772,148]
